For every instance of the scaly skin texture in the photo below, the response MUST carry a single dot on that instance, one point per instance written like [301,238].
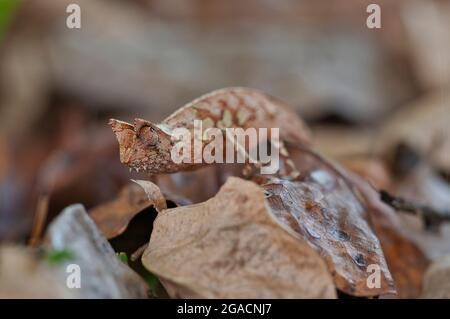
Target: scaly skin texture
[145,146]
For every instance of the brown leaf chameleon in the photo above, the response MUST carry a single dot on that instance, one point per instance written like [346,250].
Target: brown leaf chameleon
[146,146]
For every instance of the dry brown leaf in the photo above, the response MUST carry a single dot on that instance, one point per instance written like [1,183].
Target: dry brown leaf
[429,43]
[231,247]
[112,218]
[324,209]
[424,127]
[154,194]
[406,261]
[333,222]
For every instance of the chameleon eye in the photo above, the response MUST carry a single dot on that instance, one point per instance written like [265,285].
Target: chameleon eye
[148,136]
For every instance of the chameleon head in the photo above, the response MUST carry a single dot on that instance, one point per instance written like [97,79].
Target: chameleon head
[143,146]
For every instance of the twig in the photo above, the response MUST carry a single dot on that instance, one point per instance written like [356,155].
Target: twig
[40,216]
[138,253]
[431,217]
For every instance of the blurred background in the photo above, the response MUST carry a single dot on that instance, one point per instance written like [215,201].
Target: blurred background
[376,99]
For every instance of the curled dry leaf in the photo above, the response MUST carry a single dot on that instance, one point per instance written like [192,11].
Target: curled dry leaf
[147,147]
[112,218]
[154,194]
[321,207]
[231,247]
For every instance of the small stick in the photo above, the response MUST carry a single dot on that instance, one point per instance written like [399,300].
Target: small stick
[40,216]
[432,217]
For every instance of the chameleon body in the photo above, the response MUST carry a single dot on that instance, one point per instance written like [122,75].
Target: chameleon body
[145,146]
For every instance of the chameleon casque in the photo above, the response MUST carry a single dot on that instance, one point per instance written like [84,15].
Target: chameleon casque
[146,146]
